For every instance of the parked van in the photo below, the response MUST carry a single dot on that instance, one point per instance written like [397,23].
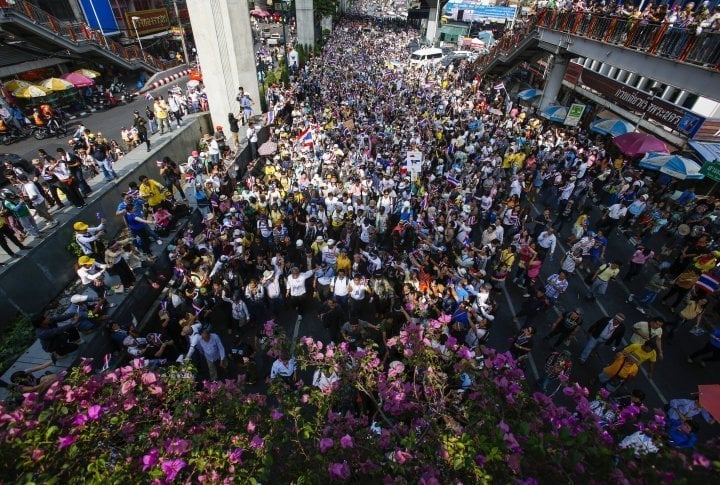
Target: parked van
[430,55]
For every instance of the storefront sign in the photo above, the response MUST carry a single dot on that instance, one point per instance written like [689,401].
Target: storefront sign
[674,117]
[575,112]
[711,171]
[709,130]
[150,21]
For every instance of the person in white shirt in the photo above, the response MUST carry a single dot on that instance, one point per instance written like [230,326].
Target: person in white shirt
[325,380]
[357,288]
[31,192]
[340,288]
[329,253]
[214,352]
[547,242]
[283,367]
[296,291]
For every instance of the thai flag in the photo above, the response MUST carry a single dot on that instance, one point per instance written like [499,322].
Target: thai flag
[708,283]
[106,362]
[451,149]
[270,117]
[346,131]
[499,87]
[425,202]
[466,242]
[455,182]
[306,137]
[381,135]
[148,96]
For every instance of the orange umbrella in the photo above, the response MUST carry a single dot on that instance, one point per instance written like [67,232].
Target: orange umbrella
[710,399]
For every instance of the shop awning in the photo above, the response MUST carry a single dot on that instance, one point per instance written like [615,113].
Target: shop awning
[709,152]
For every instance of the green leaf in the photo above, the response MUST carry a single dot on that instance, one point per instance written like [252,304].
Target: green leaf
[51,431]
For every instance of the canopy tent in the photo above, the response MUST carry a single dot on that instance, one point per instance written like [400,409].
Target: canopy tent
[87,73]
[613,127]
[31,91]
[638,144]
[529,94]
[56,84]
[78,80]
[555,113]
[674,165]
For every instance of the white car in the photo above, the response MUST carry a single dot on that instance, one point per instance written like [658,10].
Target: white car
[430,55]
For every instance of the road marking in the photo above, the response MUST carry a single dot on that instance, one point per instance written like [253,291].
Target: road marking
[295,334]
[605,312]
[517,325]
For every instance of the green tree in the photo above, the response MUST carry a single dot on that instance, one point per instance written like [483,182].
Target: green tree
[325,8]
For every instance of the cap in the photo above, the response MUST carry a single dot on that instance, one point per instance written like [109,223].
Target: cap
[80,226]
[267,274]
[195,153]
[319,239]
[78,298]
[331,242]
[406,203]
[299,243]
[85,261]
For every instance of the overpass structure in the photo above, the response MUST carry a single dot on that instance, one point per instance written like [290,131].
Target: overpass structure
[28,22]
[668,55]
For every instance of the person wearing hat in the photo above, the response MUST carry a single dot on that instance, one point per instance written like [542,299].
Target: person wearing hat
[329,253]
[604,331]
[89,238]
[140,125]
[92,274]
[19,209]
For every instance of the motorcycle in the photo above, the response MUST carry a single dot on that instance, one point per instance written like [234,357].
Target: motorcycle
[52,128]
[127,97]
[13,134]
[98,102]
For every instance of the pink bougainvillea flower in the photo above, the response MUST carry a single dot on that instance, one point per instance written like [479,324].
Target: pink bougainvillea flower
[250,427]
[235,456]
[37,454]
[701,460]
[347,441]
[276,414]
[402,456]
[94,412]
[149,378]
[269,328]
[172,467]
[339,471]
[127,386]
[80,420]
[325,445]
[150,459]
[257,442]
[178,446]
[66,441]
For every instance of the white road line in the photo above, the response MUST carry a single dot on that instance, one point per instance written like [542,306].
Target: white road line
[295,334]
[512,309]
[604,310]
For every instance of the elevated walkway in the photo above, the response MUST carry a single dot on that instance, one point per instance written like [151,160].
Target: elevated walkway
[35,25]
[674,56]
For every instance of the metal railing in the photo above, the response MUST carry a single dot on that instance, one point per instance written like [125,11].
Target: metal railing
[80,33]
[686,45]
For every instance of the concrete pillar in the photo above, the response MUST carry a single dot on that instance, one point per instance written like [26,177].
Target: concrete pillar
[630,81]
[640,83]
[554,82]
[605,68]
[305,22]
[681,98]
[588,62]
[667,92]
[432,24]
[621,75]
[612,72]
[77,10]
[223,40]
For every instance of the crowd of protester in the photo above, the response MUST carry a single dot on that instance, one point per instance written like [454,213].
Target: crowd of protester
[400,193]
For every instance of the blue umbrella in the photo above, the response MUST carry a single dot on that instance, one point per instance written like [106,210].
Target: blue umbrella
[612,127]
[529,94]
[674,165]
[555,113]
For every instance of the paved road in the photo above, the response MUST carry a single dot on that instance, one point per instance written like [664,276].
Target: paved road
[108,122]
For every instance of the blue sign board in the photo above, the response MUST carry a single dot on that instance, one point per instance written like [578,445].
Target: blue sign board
[99,16]
[476,11]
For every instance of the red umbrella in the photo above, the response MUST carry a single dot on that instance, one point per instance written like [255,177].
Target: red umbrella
[638,144]
[78,80]
[710,399]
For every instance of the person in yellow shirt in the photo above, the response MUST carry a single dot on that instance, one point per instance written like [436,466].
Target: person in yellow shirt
[601,279]
[343,262]
[153,192]
[161,113]
[627,364]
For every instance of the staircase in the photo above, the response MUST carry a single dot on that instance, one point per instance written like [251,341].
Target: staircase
[29,22]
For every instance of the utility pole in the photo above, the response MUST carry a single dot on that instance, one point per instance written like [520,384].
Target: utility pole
[182,33]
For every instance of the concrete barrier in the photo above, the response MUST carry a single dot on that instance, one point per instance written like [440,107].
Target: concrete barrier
[31,284]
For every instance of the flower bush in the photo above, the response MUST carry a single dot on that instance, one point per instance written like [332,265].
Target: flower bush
[395,422]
